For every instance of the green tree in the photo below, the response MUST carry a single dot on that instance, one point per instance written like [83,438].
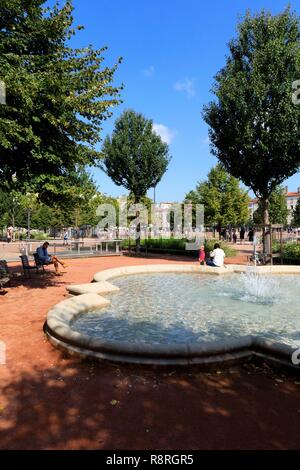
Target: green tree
[254,123]
[4,217]
[57,97]
[29,203]
[225,202]
[296,215]
[278,211]
[135,157]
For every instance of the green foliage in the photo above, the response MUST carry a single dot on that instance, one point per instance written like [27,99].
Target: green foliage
[35,236]
[163,244]
[254,125]
[291,250]
[166,243]
[209,246]
[278,211]
[225,203]
[77,207]
[57,97]
[12,211]
[135,157]
[296,215]
[175,244]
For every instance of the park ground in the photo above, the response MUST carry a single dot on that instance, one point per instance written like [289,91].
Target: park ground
[50,401]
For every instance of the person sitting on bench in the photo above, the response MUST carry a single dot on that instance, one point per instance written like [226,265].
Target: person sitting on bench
[46,259]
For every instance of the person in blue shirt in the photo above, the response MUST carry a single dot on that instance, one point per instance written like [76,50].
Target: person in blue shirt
[45,258]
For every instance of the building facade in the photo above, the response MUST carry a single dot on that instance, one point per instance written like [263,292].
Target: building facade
[291,202]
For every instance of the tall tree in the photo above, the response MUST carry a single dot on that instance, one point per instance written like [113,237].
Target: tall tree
[135,157]
[278,211]
[254,123]
[296,215]
[56,96]
[225,202]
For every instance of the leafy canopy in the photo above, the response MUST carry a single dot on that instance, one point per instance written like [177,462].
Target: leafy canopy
[135,157]
[57,96]
[225,203]
[278,209]
[254,125]
[296,215]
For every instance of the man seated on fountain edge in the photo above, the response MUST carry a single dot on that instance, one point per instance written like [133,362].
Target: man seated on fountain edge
[217,257]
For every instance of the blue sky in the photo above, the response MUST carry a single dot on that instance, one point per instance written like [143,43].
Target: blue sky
[172,49]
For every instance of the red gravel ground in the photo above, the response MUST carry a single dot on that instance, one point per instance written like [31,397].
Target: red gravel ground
[48,401]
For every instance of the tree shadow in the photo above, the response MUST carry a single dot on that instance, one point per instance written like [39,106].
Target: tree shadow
[84,405]
[37,280]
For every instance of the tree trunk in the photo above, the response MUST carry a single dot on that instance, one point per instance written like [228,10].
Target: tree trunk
[266,223]
[13,224]
[28,225]
[219,230]
[138,229]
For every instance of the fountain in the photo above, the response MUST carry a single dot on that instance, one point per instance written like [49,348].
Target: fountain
[259,287]
[181,314]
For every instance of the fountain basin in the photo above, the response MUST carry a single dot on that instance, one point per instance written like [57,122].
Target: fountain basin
[197,347]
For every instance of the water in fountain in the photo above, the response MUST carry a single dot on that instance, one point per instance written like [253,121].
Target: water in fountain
[259,287]
[166,308]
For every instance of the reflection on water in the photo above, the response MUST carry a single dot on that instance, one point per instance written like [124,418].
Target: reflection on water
[181,308]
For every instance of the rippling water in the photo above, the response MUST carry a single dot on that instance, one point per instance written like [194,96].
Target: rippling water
[179,308]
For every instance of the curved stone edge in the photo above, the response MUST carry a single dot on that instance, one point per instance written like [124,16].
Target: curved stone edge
[59,320]
[58,326]
[190,268]
[102,287]
[208,361]
[228,359]
[58,329]
[159,268]
[60,317]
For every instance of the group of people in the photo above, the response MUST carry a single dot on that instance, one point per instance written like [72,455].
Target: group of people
[216,258]
[233,235]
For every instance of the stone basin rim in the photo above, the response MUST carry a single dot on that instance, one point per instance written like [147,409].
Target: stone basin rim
[58,326]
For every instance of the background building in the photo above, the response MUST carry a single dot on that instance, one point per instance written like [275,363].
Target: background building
[291,202]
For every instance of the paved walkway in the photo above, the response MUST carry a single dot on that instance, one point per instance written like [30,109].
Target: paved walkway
[49,401]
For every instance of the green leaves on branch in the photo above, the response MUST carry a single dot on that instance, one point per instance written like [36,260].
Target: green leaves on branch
[278,211]
[254,125]
[135,157]
[225,203]
[57,96]
[296,215]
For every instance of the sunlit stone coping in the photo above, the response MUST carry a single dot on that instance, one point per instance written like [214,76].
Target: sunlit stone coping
[102,287]
[190,268]
[157,268]
[59,327]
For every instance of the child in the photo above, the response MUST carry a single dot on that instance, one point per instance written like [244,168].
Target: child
[202,255]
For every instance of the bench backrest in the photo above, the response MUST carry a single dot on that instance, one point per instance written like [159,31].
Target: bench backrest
[37,260]
[3,268]
[25,261]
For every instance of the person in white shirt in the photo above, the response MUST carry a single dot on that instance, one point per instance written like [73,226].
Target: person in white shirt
[217,257]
